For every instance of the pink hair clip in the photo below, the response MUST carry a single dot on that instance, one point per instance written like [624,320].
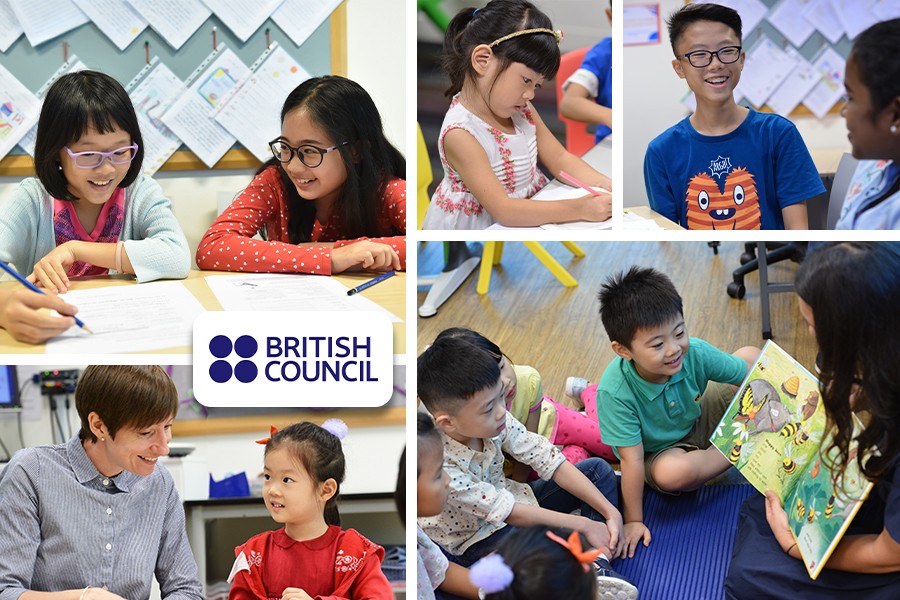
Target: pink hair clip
[490,575]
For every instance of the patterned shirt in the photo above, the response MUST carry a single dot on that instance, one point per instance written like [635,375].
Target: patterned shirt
[68,227]
[228,245]
[481,497]
[431,566]
[66,526]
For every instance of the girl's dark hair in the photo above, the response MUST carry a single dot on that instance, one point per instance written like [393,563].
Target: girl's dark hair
[472,27]
[472,337]
[320,453]
[125,397]
[874,53]
[542,568]
[347,114]
[427,436]
[75,103]
[400,490]
[853,289]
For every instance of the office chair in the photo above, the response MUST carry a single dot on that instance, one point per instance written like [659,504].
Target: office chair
[578,139]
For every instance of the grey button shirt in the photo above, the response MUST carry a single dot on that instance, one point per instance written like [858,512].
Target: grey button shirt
[64,526]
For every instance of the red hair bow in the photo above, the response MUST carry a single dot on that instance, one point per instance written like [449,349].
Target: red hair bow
[574,546]
[272,431]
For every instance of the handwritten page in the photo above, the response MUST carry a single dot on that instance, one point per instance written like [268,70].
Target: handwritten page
[11,29]
[47,19]
[116,19]
[822,16]
[73,64]
[152,91]
[19,110]
[251,112]
[766,68]
[272,292]
[856,15]
[830,88]
[298,19]
[242,17]
[559,191]
[796,87]
[130,318]
[787,17]
[752,12]
[189,118]
[174,20]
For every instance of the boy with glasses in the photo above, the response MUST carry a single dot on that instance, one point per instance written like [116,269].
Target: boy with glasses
[726,166]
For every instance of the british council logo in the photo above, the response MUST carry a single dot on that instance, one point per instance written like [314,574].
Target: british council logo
[221,347]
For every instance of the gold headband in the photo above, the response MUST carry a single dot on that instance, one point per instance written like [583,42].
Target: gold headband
[557,34]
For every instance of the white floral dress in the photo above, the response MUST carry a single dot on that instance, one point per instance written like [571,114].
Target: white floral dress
[513,159]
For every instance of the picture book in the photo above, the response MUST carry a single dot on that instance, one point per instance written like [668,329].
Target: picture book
[774,434]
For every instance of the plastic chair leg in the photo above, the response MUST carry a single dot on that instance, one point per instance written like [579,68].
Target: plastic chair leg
[444,286]
[498,253]
[573,248]
[489,258]
[552,265]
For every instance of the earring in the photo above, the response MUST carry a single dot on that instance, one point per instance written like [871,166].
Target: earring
[894,129]
[103,439]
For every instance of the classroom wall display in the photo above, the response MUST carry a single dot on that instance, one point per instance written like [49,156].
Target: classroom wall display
[130,38]
[640,24]
[797,50]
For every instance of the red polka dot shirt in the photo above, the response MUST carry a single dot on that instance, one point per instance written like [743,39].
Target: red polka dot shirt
[228,244]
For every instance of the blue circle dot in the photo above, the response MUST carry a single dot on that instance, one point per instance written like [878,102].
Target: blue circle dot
[220,371]
[245,371]
[245,346]
[220,346]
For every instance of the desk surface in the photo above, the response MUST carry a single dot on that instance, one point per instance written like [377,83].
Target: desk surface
[648,213]
[390,294]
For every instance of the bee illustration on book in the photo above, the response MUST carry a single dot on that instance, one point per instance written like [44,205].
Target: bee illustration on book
[829,508]
[735,453]
[811,512]
[801,509]
[761,405]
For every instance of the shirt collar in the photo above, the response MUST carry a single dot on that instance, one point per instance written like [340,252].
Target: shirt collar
[641,387]
[85,471]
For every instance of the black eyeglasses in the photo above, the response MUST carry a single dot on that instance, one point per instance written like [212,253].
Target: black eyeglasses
[309,155]
[703,58]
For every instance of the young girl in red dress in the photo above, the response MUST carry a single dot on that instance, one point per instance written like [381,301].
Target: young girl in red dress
[332,198]
[311,556]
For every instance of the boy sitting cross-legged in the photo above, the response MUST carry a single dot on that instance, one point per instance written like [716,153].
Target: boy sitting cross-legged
[460,385]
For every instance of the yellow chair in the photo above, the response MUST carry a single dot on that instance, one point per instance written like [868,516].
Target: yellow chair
[424,177]
[493,252]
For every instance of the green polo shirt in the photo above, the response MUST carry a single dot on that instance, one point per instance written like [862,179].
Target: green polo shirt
[632,410]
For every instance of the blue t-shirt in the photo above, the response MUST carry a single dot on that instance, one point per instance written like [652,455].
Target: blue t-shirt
[598,61]
[740,180]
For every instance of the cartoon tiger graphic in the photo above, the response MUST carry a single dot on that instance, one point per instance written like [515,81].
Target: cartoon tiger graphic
[736,207]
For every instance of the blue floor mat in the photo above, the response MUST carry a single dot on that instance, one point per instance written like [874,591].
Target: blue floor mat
[691,548]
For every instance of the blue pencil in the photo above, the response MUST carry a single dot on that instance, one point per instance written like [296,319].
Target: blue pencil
[370,283]
[34,288]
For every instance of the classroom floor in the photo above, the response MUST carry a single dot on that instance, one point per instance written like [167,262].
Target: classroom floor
[557,330]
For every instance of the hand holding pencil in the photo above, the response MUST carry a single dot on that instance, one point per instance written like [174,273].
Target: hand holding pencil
[21,314]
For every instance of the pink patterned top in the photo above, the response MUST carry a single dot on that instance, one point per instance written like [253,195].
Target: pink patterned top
[228,245]
[513,159]
[67,227]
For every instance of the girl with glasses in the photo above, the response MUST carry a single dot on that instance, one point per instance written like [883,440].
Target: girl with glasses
[331,199]
[89,211]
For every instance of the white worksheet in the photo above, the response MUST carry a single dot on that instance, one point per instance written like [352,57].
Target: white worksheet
[242,17]
[19,110]
[189,116]
[752,12]
[885,10]
[856,15]
[635,222]
[822,16]
[152,91]
[795,88]
[118,20]
[251,113]
[300,18]
[830,88]
[47,19]
[175,20]
[129,318]
[275,292]
[11,29]
[766,68]
[560,191]
[787,17]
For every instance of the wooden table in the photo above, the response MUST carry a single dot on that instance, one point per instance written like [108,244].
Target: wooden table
[390,294]
[648,213]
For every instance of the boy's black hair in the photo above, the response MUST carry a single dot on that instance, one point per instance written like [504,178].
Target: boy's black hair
[472,27]
[427,435]
[400,489]
[638,298]
[75,103]
[688,14]
[853,289]
[543,567]
[347,114]
[473,337]
[451,372]
[875,55]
